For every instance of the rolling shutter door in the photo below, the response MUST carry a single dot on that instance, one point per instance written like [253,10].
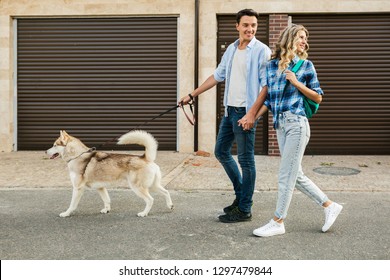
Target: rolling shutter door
[227,34]
[351,54]
[97,78]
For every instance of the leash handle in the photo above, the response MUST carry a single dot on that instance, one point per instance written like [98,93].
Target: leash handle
[191,104]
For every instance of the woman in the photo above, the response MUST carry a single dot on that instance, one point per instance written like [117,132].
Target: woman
[285,100]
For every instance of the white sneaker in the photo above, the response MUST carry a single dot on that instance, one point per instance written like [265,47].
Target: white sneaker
[270,229]
[331,213]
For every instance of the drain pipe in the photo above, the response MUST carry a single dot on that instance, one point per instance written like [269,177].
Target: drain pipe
[196,72]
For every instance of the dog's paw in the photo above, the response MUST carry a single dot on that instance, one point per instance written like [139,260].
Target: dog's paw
[142,214]
[105,211]
[172,207]
[64,214]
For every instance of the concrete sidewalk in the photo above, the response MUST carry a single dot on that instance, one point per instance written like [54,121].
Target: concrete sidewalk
[190,172]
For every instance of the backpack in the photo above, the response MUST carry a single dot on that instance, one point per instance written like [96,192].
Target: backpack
[310,106]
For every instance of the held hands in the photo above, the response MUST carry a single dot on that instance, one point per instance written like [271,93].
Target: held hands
[247,122]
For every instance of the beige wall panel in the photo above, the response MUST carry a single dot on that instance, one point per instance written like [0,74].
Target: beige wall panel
[71,8]
[186,12]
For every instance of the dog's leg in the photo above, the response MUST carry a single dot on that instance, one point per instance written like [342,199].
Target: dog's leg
[157,187]
[76,195]
[144,194]
[106,199]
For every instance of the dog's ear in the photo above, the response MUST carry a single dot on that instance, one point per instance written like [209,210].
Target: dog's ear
[64,135]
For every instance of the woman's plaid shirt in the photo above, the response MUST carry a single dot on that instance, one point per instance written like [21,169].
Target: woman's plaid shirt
[292,98]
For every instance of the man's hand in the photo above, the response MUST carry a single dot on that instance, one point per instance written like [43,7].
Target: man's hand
[184,101]
[247,122]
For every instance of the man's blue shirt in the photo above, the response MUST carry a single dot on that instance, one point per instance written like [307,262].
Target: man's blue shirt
[257,57]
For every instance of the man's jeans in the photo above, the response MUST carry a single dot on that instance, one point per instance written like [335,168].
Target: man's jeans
[293,136]
[229,131]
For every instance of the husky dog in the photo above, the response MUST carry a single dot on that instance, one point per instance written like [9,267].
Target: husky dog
[90,168]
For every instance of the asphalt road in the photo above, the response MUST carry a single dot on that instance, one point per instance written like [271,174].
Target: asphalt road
[31,228]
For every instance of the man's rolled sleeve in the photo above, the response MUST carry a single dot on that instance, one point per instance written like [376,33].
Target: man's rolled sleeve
[219,75]
[220,72]
[263,66]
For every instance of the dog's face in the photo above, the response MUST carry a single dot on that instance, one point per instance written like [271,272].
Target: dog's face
[59,145]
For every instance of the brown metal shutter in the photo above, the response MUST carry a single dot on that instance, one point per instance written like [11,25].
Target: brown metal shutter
[351,54]
[227,34]
[97,78]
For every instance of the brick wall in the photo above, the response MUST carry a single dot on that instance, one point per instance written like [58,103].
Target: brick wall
[277,23]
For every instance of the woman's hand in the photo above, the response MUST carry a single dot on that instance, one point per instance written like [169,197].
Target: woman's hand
[247,122]
[290,76]
[311,94]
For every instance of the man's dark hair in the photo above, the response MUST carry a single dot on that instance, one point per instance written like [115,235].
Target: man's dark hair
[246,12]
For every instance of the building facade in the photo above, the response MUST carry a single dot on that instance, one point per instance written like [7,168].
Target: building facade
[99,68]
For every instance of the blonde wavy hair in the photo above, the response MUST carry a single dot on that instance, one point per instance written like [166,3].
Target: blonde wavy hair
[286,47]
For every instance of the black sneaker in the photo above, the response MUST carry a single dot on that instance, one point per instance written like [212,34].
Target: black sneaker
[235,216]
[229,208]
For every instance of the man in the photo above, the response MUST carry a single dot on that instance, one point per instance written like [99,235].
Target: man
[243,68]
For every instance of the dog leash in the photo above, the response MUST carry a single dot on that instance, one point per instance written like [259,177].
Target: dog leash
[90,150]
[181,105]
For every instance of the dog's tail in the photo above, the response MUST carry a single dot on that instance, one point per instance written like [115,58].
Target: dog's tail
[142,138]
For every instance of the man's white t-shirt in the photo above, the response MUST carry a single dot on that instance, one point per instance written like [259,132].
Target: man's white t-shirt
[237,87]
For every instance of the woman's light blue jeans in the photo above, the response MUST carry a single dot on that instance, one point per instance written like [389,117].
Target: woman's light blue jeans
[229,131]
[293,135]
